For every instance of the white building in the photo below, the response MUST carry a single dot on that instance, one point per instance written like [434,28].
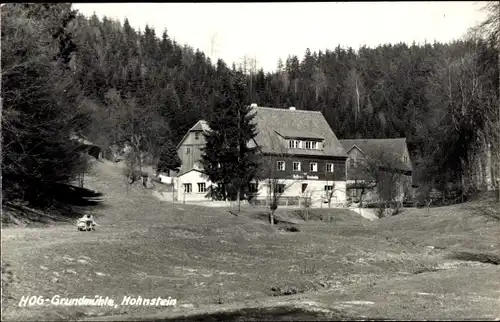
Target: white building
[301,157]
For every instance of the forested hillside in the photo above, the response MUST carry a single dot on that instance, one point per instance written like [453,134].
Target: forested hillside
[141,86]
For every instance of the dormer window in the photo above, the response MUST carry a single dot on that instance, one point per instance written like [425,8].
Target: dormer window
[196,135]
[308,145]
[295,144]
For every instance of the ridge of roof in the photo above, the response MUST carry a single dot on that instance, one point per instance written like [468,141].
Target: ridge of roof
[287,109]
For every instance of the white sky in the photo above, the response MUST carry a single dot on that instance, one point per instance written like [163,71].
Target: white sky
[269,31]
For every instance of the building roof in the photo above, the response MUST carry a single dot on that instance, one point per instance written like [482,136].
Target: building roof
[201,125]
[274,125]
[183,172]
[376,147]
[294,134]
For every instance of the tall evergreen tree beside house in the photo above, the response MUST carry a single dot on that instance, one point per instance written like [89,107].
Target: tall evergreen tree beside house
[226,158]
[245,169]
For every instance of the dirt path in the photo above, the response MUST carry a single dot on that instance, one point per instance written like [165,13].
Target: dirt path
[366,213]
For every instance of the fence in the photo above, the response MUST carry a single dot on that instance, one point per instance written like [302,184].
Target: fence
[282,201]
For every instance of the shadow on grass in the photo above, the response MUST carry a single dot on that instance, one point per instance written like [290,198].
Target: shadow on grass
[58,202]
[281,313]
[74,196]
[477,257]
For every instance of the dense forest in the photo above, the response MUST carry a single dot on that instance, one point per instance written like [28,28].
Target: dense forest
[106,81]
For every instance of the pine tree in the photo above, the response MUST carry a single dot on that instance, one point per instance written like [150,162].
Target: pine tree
[169,159]
[226,158]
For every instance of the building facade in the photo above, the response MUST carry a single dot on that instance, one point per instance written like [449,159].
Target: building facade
[390,156]
[300,157]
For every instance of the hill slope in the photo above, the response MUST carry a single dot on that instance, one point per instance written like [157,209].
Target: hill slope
[211,261]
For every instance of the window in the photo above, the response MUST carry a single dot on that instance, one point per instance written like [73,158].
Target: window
[253,187]
[187,188]
[329,167]
[328,188]
[352,193]
[304,187]
[295,144]
[188,150]
[279,188]
[406,159]
[313,167]
[296,166]
[312,145]
[281,165]
[196,135]
[202,187]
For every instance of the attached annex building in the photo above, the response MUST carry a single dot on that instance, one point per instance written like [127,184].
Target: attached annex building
[298,146]
[395,154]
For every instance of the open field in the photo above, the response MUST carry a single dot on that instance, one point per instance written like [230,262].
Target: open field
[402,267]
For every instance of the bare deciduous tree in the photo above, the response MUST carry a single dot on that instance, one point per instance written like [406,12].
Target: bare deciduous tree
[271,172]
[382,173]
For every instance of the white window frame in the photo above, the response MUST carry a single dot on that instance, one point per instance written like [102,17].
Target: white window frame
[328,188]
[188,150]
[202,187]
[308,145]
[186,185]
[279,185]
[295,144]
[332,169]
[313,168]
[278,165]
[314,145]
[196,135]
[299,167]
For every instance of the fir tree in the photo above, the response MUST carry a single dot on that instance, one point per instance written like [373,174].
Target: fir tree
[169,159]
[226,158]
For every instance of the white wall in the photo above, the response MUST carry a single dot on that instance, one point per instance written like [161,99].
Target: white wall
[315,189]
[192,177]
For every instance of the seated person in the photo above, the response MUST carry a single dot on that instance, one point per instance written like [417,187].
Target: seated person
[86,222]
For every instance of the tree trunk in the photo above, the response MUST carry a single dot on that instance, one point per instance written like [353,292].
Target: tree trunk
[271,217]
[239,201]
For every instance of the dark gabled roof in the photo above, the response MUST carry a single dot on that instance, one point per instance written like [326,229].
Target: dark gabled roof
[294,123]
[376,147]
[275,125]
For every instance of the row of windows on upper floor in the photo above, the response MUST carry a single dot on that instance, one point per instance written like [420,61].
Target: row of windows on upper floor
[297,166]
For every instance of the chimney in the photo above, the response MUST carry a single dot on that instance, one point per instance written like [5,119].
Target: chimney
[292,108]
[253,105]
